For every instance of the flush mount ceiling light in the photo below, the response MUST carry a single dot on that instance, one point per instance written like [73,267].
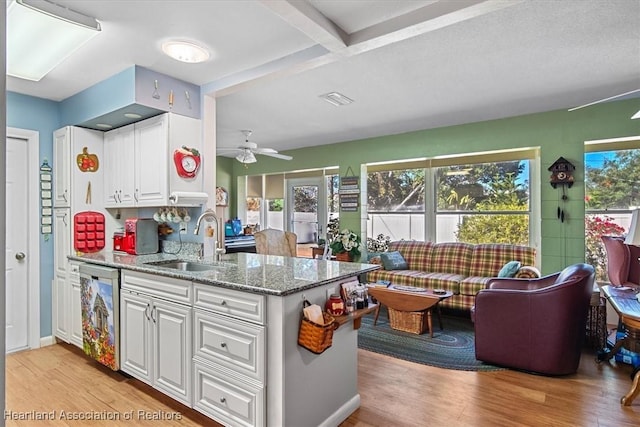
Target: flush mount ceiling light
[246,156]
[185,51]
[41,34]
[132,116]
[336,99]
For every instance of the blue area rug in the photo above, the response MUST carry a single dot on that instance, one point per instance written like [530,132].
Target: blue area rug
[450,348]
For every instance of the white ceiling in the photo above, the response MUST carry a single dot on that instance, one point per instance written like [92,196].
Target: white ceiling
[408,64]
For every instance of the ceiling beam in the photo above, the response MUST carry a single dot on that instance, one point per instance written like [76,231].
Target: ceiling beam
[334,44]
[309,20]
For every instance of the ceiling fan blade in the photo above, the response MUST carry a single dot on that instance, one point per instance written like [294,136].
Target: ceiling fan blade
[277,156]
[265,150]
[604,100]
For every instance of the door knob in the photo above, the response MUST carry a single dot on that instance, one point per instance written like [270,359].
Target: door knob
[20,256]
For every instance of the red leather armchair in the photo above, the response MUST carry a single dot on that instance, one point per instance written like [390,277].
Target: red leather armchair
[623,266]
[535,325]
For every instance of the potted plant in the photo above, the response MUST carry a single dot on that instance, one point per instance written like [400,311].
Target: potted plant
[345,244]
[378,244]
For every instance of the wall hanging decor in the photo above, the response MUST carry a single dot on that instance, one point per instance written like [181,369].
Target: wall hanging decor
[187,161]
[349,191]
[562,175]
[46,214]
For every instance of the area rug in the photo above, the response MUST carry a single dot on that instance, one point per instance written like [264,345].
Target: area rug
[450,348]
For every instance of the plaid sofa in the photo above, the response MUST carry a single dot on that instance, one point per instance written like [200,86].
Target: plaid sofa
[461,268]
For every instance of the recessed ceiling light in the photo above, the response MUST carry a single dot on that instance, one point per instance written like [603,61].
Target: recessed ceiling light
[185,51]
[103,126]
[132,116]
[336,99]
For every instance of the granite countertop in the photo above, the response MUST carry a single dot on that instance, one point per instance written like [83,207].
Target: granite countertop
[263,274]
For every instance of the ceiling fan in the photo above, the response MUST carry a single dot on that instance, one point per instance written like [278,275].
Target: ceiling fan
[246,151]
[611,98]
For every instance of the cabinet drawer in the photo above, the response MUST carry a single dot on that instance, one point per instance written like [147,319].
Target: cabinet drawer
[159,286]
[242,305]
[232,343]
[227,399]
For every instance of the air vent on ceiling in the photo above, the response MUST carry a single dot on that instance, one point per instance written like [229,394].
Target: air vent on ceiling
[336,99]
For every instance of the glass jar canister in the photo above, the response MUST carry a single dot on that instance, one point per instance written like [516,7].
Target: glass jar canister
[335,305]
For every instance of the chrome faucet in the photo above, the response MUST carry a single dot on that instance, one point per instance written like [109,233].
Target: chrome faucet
[210,215]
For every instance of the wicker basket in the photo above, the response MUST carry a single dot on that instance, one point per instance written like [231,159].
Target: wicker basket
[314,337]
[408,321]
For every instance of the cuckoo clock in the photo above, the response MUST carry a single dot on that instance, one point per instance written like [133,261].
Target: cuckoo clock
[561,173]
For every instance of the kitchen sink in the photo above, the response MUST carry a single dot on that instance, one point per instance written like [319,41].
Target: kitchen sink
[186,265]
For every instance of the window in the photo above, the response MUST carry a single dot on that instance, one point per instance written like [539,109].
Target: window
[483,203]
[483,198]
[612,189]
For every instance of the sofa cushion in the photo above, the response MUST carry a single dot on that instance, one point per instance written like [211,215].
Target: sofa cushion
[509,269]
[416,253]
[393,261]
[528,272]
[451,258]
[396,277]
[446,281]
[473,284]
[489,258]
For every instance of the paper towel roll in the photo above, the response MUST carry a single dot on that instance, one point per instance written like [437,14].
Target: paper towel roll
[188,198]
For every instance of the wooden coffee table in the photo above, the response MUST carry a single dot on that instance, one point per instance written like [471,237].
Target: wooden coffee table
[412,301]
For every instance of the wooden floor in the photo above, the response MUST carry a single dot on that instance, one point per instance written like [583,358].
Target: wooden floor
[393,392]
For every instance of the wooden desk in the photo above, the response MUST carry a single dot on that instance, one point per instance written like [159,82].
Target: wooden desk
[624,302]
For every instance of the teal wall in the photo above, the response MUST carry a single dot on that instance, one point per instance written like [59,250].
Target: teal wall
[43,116]
[557,133]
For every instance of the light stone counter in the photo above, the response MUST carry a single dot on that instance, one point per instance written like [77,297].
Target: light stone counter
[263,274]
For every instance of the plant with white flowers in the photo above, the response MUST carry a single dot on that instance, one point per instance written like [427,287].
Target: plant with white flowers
[346,241]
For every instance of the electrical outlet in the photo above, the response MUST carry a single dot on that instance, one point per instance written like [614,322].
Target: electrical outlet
[183,228]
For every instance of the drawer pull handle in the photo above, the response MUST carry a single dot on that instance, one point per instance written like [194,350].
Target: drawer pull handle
[223,400]
[223,302]
[223,344]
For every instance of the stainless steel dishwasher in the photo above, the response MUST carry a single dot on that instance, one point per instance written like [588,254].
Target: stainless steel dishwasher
[100,301]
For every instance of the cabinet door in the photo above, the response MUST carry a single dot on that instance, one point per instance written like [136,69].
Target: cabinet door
[75,312]
[172,350]
[118,167]
[61,240]
[60,309]
[151,162]
[135,335]
[62,168]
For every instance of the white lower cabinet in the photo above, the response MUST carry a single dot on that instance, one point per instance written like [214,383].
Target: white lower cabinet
[226,397]
[229,355]
[75,302]
[156,340]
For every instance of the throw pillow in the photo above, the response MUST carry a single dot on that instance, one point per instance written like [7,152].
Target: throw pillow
[510,269]
[393,261]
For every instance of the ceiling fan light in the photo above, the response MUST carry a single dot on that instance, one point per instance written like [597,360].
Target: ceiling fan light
[246,157]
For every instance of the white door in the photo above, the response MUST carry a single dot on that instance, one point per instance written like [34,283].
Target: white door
[16,273]
[307,208]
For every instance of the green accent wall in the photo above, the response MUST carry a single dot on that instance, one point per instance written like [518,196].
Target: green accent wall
[556,133]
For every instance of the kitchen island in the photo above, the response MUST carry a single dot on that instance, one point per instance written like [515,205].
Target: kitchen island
[233,336]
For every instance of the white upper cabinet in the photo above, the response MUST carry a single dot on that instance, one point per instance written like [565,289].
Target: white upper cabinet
[77,169]
[141,169]
[119,151]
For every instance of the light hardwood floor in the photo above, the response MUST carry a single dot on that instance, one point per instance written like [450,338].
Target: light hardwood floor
[394,393]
